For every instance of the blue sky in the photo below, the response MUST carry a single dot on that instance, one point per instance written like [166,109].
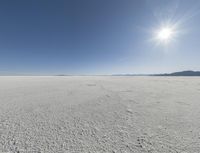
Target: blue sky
[48,37]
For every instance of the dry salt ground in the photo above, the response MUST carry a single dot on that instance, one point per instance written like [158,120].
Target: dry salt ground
[96,114]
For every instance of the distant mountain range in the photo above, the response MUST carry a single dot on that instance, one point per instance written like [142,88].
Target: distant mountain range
[182,73]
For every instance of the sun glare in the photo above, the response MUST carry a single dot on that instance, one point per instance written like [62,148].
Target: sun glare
[165,34]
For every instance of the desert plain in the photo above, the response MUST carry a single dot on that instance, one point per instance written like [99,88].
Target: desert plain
[99,114]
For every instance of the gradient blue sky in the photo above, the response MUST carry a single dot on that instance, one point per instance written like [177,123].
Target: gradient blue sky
[48,37]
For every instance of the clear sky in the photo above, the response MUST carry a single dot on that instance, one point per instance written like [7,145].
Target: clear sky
[44,37]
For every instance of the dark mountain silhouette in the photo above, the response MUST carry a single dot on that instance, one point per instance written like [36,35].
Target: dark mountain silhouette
[182,73]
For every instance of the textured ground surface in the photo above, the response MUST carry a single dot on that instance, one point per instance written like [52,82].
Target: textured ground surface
[100,114]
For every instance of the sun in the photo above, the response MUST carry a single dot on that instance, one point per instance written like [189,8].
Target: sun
[165,34]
